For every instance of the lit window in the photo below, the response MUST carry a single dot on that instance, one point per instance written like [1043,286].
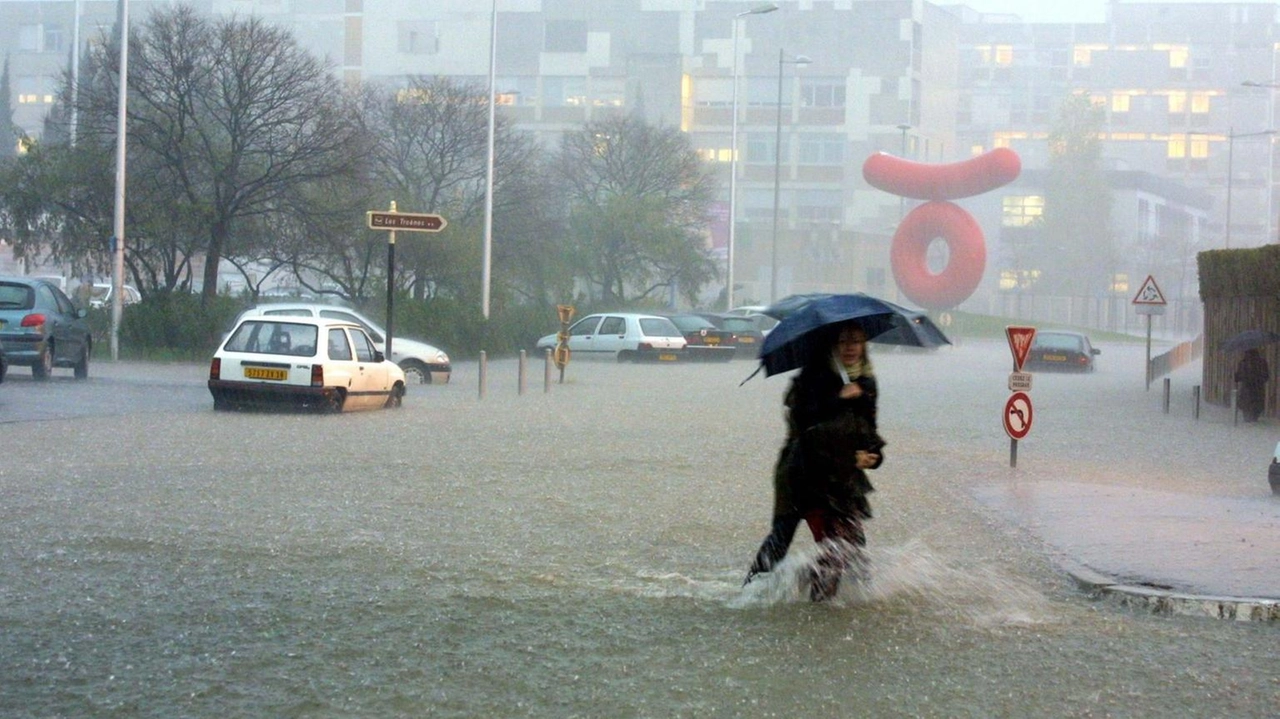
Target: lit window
[1082,56]
[1022,210]
[1178,56]
[1177,102]
[1200,149]
[1120,103]
[1004,55]
[1176,148]
[1199,103]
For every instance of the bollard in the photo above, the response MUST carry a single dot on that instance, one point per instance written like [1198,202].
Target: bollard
[1166,395]
[1235,411]
[546,373]
[484,370]
[1195,395]
[520,375]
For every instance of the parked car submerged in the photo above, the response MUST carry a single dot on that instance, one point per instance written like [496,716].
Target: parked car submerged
[626,336]
[40,328]
[704,341]
[100,295]
[422,363]
[305,362]
[1062,351]
[745,329]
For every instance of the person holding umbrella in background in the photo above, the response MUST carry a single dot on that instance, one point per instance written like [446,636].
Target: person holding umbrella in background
[1252,374]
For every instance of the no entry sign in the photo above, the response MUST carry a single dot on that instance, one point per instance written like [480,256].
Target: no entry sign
[1017,415]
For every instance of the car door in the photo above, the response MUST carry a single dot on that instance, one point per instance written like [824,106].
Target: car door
[69,332]
[582,334]
[612,335]
[372,378]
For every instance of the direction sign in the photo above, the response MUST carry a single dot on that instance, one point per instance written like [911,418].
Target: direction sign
[1019,343]
[405,221]
[1149,293]
[1017,415]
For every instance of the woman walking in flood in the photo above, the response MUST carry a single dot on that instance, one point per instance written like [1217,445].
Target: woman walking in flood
[820,476]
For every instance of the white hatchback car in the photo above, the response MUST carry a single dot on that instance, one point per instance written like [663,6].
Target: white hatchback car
[422,363]
[314,363]
[627,336]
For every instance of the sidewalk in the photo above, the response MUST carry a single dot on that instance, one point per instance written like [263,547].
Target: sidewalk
[1172,553]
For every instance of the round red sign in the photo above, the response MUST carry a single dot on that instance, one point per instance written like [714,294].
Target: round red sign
[1017,415]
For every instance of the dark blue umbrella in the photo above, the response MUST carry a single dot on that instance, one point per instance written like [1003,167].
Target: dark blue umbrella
[806,325]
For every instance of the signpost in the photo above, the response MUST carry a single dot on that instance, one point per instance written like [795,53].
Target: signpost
[1149,301]
[392,221]
[1017,409]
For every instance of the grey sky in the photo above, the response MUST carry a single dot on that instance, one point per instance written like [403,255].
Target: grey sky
[1054,10]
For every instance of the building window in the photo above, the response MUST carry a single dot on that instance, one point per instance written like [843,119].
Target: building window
[1003,55]
[1082,56]
[608,92]
[1177,103]
[820,149]
[31,38]
[1120,102]
[565,36]
[822,92]
[1178,56]
[1176,148]
[564,91]
[1022,210]
[760,148]
[1199,103]
[713,92]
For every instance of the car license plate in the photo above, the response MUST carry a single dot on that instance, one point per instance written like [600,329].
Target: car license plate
[1054,358]
[266,373]
[746,340]
[713,340]
[666,357]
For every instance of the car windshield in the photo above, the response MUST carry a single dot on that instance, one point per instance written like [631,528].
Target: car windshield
[1057,342]
[272,337]
[16,297]
[658,327]
[737,324]
[689,323]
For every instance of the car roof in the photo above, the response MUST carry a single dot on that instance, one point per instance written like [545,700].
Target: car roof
[323,322]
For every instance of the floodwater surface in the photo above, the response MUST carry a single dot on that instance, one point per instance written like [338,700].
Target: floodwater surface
[580,553]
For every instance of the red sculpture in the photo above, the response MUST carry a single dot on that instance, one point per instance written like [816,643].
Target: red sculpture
[938,218]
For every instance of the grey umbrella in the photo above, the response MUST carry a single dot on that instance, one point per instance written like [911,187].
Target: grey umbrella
[1248,340]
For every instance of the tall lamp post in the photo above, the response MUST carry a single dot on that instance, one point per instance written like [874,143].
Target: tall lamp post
[1271,122]
[902,201]
[1231,144]
[800,60]
[486,276]
[733,150]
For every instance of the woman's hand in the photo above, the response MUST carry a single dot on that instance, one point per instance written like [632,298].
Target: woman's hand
[850,391]
[866,460]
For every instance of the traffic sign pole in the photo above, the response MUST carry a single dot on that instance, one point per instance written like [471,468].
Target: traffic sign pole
[391,283]
[391,221]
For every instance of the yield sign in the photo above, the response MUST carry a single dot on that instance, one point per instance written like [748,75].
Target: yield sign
[1019,343]
[1149,293]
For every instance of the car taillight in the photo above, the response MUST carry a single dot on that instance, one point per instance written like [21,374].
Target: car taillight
[317,375]
[33,320]
[215,369]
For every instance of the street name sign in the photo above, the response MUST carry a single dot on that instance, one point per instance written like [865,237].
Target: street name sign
[405,221]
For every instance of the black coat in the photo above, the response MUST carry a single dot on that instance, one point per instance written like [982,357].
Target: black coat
[817,467]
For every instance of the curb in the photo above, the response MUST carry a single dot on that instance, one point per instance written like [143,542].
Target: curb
[1166,602]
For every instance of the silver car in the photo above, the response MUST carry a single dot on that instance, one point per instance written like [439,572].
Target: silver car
[626,336]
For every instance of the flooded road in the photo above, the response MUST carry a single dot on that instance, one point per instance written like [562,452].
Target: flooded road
[581,553]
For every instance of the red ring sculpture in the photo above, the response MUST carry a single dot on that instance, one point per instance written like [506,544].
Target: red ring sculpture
[908,254]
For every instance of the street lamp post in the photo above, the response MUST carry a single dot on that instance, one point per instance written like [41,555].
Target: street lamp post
[486,269]
[1271,122]
[733,150]
[902,201]
[1231,144]
[799,60]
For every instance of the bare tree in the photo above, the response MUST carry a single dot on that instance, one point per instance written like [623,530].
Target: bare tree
[639,201]
[226,117]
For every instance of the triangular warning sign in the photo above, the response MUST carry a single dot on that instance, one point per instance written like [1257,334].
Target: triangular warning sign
[1020,344]
[1149,293]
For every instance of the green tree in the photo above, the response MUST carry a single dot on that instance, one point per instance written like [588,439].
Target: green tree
[1077,250]
[639,199]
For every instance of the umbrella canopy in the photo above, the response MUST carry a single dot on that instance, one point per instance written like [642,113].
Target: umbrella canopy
[806,323]
[1248,340]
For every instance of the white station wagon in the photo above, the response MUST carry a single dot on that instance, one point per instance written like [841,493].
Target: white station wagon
[312,363]
[627,336]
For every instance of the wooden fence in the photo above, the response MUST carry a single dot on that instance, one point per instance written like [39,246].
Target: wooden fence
[1228,316]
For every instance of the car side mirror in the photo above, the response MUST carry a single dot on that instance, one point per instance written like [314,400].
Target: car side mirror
[378,356]
[1097,351]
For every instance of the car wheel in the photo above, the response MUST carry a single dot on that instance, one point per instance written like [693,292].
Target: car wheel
[415,372]
[44,363]
[4,369]
[626,356]
[82,367]
[396,399]
[333,402]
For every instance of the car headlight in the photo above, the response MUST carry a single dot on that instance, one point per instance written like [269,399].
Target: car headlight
[441,357]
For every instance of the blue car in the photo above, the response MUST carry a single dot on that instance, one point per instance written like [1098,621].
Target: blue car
[41,328]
